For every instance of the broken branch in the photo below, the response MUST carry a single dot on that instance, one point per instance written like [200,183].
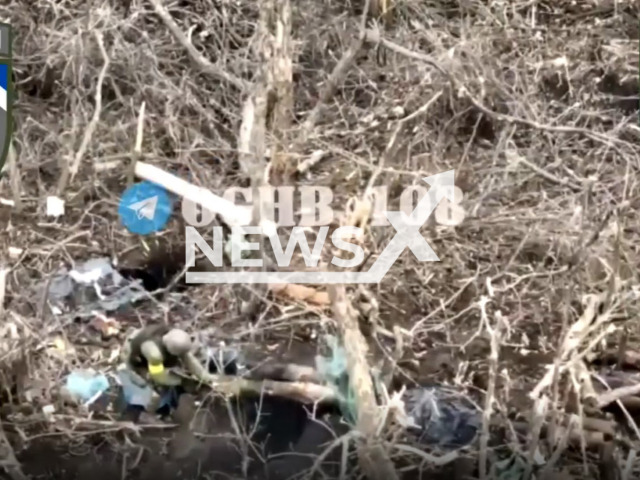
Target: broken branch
[96,113]
[373,458]
[204,64]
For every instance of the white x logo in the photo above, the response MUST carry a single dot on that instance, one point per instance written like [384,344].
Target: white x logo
[408,227]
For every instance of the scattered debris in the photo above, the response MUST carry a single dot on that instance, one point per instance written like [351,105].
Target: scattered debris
[48,410]
[60,348]
[301,293]
[92,285]
[535,122]
[439,416]
[226,360]
[85,386]
[315,158]
[55,207]
[443,416]
[108,327]
[511,468]
[333,369]
[134,394]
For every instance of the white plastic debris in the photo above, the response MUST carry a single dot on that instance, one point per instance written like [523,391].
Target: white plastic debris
[397,112]
[559,62]
[369,118]
[48,410]
[15,252]
[313,160]
[93,285]
[55,207]
[86,386]
[92,270]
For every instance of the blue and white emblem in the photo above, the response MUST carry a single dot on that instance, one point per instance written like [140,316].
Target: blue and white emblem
[4,86]
[145,208]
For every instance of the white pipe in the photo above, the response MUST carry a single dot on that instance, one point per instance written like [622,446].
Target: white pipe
[232,214]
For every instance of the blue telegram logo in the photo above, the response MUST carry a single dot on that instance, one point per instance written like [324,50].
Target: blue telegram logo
[145,208]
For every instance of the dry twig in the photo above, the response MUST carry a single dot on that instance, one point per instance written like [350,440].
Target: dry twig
[204,64]
[93,124]
[137,149]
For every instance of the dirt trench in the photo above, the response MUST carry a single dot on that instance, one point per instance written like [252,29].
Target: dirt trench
[285,441]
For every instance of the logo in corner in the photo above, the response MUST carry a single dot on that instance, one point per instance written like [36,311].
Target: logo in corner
[145,208]
[6,93]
